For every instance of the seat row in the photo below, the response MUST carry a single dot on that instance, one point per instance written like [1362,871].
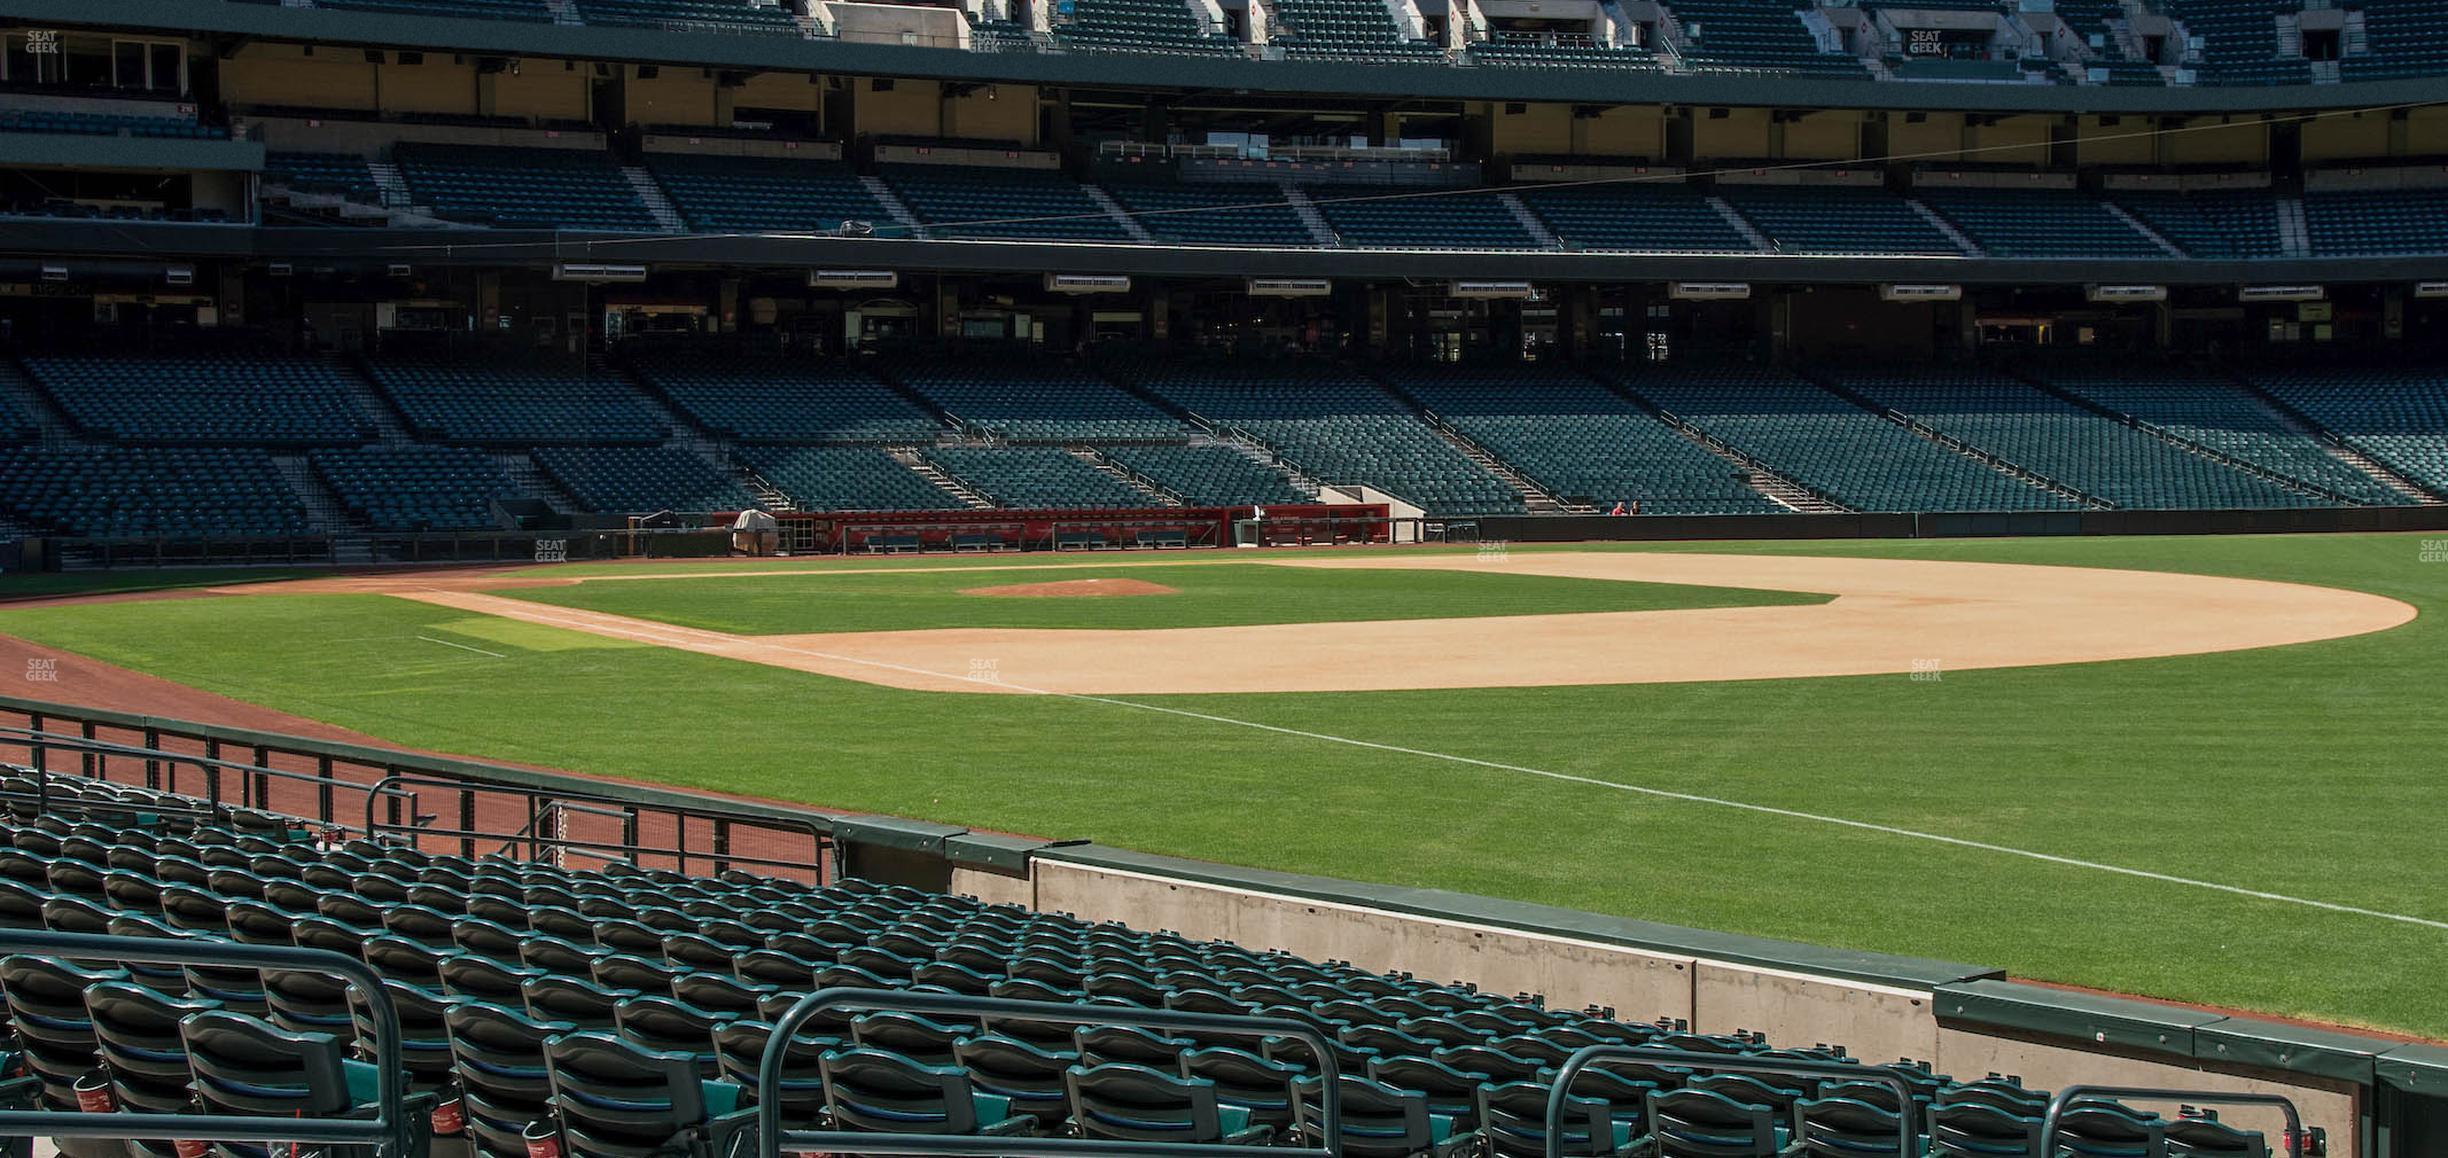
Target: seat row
[535,994]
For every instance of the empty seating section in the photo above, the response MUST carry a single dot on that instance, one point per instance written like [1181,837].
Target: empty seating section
[1034,476]
[15,424]
[1337,428]
[642,479]
[1755,36]
[734,194]
[127,492]
[845,478]
[2223,223]
[786,399]
[627,1009]
[1009,204]
[106,124]
[1638,216]
[531,10]
[1345,30]
[2221,415]
[2398,416]
[1022,400]
[515,403]
[2038,223]
[712,15]
[1582,442]
[1374,217]
[528,188]
[1545,52]
[202,400]
[2406,38]
[1255,213]
[1835,219]
[2377,221]
[2065,442]
[338,174]
[1823,442]
[2240,41]
[1141,26]
[416,488]
[1207,475]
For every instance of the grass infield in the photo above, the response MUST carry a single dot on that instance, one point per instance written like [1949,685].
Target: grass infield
[1204,595]
[2310,770]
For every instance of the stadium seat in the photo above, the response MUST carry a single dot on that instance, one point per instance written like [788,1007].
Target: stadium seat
[615,1100]
[497,1057]
[1120,1102]
[879,1091]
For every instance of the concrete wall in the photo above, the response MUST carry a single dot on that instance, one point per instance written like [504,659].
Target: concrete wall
[1740,133]
[674,96]
[1874,1022]
[2126,141]
[2352,137]
[994,888]
[2219,141]
[283,74]
[1935,136]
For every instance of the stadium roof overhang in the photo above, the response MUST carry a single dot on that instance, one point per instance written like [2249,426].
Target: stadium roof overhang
[355,248]
[1173,73]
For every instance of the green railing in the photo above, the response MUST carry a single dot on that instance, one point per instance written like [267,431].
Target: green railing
[389,1131]
[775,1141]
[1593,1055]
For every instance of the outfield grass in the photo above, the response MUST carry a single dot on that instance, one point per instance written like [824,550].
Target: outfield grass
[1204,595]
[47,584]
[2309,771]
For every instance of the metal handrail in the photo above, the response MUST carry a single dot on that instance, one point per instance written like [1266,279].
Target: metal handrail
[722,818]
[2066,1096]
[388,1130]
[43,741]
[774,1140]
[552,811]
[1587,1056]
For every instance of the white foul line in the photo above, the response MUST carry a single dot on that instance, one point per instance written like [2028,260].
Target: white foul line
[1567,777]
[462,647]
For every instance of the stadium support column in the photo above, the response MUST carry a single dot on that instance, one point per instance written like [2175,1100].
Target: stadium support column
[488,299]
[1779,306]
[1576,320]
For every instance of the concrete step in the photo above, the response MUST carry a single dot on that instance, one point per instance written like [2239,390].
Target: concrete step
[652,196]
[1530,222]
[1742,225]
[533,483]
[1130,225]
[324,514]
[893,205]
[909,457]
[2338,448]
[53,428]
[1938,220]
[1307,211]
[1266,457]
[2136,224]
[1157,495]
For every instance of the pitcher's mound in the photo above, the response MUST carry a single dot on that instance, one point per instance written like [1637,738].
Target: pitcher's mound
[1074,588]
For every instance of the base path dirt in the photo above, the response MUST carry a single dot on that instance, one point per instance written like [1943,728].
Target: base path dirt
[1074,589]
[1888,616]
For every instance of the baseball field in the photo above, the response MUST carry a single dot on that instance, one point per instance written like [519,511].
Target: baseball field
[2205,769]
